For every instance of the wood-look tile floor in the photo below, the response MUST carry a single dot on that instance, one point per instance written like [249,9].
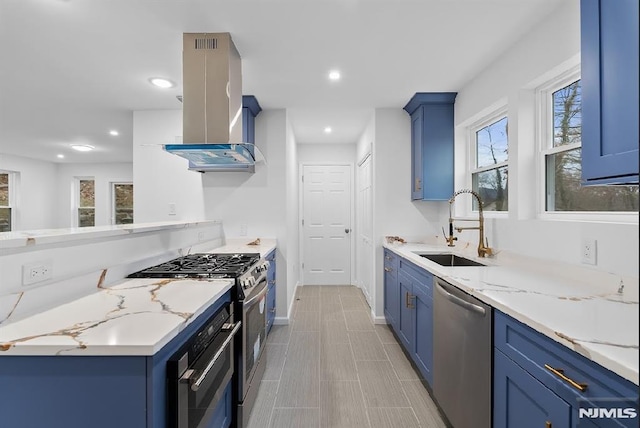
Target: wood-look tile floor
[332,367]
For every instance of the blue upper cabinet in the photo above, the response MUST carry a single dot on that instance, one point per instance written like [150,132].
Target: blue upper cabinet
[250,109]
[610,134]
[432,139]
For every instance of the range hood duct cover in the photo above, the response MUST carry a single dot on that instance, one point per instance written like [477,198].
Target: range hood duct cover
[212,106]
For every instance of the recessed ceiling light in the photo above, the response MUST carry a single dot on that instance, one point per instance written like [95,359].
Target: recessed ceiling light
[161,82]
[114,132]
[327,130]
[334,75]
[61,156]
[82,147]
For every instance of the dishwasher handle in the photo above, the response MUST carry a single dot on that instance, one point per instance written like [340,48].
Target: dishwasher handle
[441,287]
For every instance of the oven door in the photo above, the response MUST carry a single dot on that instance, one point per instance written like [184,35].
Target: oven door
[201,385]
[254,335]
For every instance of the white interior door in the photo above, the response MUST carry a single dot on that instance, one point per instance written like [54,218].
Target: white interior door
[364,246]
[326,224]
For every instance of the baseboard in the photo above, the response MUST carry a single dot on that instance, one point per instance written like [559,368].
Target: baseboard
[378,320]
[281,321]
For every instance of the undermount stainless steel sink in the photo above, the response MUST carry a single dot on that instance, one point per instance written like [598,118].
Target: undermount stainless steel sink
[450,260]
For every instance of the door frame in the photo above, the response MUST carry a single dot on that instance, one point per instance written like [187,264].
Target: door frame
[301,166]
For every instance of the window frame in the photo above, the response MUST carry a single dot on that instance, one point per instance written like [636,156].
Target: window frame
[76,201]
[544,136]
[495,115]
[113,185]
[12,199]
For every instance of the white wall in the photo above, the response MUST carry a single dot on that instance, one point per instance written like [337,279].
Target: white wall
[554,44]
[292,231]
[160,178]
[36,192]
[104,175]
[326,153]
[394,212]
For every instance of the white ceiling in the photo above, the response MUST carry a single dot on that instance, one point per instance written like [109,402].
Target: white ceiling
[71,70]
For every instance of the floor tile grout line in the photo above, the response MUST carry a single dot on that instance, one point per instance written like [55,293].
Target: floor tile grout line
[355,363]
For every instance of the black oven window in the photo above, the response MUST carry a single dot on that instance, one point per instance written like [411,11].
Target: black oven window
[256,335]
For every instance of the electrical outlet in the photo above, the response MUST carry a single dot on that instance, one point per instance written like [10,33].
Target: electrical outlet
[172,209]
[37,272]
[243,229]
[201,236]
[589,251]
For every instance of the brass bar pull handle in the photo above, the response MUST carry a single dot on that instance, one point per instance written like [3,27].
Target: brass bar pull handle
[406,299]
[547,424]
[387,257]
[410,304]
[387,269]
[582,387]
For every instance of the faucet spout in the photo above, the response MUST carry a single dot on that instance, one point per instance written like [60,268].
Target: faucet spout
[483,250]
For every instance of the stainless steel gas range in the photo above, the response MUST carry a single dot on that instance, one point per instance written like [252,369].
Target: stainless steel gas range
[250,274]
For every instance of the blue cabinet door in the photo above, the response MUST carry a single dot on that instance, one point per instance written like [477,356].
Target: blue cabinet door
[416,154]
[391,289]
[423,349]
[406,320]
[521,401]
[610,91]
[432,143]
[271,290]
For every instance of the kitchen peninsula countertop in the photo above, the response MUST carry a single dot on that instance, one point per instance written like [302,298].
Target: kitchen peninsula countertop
[576,307]
[131,317]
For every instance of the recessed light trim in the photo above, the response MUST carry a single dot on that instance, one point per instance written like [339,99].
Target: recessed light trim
[327,130]
[114,133]
[334,75]
[161,82]
[60,156]
[82,147]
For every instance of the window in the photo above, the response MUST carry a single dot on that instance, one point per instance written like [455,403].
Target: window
[490,172]
[562,132]
[86,203]
[122,203]
[6,201]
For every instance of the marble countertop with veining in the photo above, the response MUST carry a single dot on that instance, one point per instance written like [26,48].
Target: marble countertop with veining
[579,308]
[131,317]
[241,245]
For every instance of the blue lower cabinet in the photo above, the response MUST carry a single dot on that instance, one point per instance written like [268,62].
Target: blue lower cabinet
[423,358]
[521,401]
[411,296]
[70,392]
[271,291]
[406,321]
[391,290]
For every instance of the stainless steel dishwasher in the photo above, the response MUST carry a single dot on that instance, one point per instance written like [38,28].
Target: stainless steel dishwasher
[462,356]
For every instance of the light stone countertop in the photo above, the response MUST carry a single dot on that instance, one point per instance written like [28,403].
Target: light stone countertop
[132,317]
[578,308]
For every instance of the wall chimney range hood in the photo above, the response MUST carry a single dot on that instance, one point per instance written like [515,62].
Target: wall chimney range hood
[212,106]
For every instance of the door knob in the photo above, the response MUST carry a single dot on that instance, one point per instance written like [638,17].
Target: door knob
[347,230]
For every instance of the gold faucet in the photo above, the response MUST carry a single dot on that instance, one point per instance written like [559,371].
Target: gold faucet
[483,244]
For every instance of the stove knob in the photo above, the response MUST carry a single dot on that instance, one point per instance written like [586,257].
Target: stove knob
[245,283]
[252,281]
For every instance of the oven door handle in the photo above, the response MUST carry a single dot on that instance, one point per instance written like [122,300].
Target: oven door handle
[257,296]
[195,385]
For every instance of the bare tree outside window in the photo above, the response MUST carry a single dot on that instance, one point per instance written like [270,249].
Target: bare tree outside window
[489,179]
[123,203]
[86,203]
[5,203]
[564,166]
